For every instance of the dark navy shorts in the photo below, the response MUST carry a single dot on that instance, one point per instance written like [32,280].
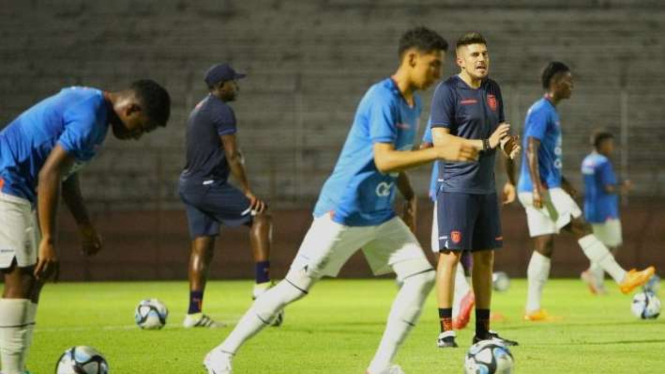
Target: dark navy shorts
[468,221]
[210,204]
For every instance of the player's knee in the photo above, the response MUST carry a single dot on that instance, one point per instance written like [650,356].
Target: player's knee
[293,288]
[448,259]
[263,218]
[422,282]
[203,245]
[484,259]
[20,285]
[545,245]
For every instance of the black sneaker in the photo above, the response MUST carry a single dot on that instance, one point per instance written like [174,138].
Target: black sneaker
[446,340]
[494,336]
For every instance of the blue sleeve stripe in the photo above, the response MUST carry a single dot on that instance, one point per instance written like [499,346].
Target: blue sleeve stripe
[383,139]
[227,132]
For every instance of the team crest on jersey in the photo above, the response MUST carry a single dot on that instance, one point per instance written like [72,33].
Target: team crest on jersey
[456,236]
[491,101]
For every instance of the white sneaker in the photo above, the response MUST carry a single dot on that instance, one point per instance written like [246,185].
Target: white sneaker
[218,362]
[260,289]
[200,320]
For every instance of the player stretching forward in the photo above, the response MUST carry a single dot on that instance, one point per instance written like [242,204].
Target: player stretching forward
[463,299]
[469,107]
[40,154]
[355,207]
[213,153]
[546,196]
[601,203]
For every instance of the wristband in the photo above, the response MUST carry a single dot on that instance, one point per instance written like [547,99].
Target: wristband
[486,145]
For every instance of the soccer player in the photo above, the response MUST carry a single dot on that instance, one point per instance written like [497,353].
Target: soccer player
[548,197]
[463,298]
[210,201]
[468,107]
[601,203]
[355,209]
[41,152]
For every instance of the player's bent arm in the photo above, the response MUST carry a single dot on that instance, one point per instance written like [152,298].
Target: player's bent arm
[410,201]
[235,161]
[510,169]
[389,160]
[48,190]
[71,195]
[443,138]
[532,160]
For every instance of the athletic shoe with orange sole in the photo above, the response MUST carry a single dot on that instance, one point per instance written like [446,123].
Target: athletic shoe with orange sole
[634,279]
[540,315]
[466,306]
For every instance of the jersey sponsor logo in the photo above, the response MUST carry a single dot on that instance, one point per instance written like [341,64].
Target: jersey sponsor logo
[383,189]
[469,102]
[491,101]
[456,236]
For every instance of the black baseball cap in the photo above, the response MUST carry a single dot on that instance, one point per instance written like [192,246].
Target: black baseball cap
[221,73]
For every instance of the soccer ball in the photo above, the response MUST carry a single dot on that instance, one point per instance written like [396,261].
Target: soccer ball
[646,305]
[82,360]
[653,285]
[500,281]
[151,314]
[488,357]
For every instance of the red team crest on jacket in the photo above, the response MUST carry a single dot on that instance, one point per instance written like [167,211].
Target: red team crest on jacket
[491,101]
[456,236]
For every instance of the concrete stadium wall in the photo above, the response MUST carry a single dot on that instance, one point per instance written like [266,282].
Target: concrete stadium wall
[155,245]
[309,62]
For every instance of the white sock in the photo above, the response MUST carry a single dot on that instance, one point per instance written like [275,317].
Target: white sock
[598,253]
[461,289]
[537,274]
[264,310]
[31,321]
[403,316]
[13,334]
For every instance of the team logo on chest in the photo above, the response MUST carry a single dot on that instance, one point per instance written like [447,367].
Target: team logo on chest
[456,236]
[491,101]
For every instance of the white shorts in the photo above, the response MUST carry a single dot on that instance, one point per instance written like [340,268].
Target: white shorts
[328,245]
[19,235]
[559,209]
[434,240]
[609,232]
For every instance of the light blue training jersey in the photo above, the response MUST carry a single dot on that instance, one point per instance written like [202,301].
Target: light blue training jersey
[599,206]
[542,123]
[75,118]
[357,193]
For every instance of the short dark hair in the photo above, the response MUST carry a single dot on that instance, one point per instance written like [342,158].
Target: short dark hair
[470,38]
[551,70]
[599,136]
[154,99]
[422,39]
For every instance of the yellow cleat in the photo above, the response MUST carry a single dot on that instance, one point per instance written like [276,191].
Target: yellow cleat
[635,279]
[540,315]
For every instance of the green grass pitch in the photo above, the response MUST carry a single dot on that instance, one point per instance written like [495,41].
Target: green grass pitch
[337,328]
